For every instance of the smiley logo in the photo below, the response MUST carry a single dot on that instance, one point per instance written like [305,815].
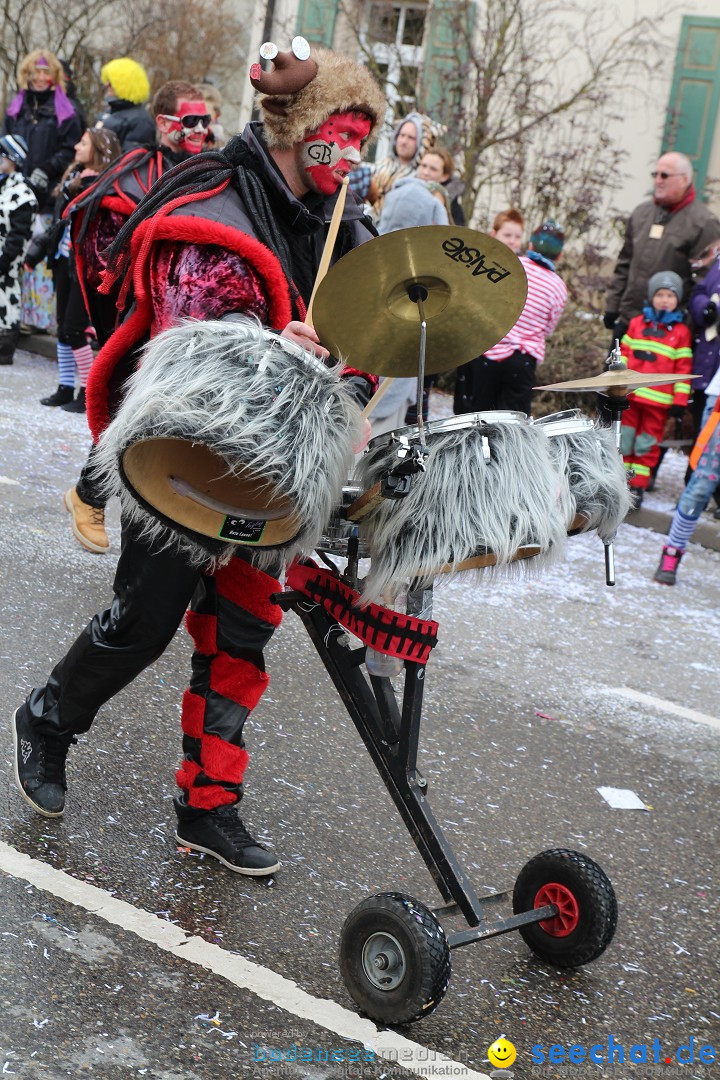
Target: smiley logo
[502,1053]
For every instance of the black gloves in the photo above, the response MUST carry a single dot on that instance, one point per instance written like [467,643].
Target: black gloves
[610,318]
[710,313]
[676,412]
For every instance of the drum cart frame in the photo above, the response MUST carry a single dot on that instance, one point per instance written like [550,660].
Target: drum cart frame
[394,953]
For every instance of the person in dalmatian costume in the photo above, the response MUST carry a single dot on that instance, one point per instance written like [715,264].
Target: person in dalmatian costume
[18,206]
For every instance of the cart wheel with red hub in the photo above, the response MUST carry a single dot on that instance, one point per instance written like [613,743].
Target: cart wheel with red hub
[586,903]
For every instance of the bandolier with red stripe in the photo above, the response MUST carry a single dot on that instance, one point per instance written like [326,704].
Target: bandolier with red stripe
[658,349]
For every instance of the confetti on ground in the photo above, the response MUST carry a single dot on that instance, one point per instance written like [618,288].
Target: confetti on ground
[622,798]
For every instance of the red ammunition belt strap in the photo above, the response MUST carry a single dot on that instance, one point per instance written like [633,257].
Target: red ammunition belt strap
[384,630]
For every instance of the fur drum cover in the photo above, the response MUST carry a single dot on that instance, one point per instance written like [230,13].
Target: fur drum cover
[462,505]
[526,495]
[595,482]
[260,403]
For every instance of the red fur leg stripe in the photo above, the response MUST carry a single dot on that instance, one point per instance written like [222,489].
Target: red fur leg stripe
[238,680]
[203,630]
[250,589]
[223,761]
[193,714]
[205,797]
[187,774]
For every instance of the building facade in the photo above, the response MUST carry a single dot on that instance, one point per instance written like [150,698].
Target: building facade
[414,43]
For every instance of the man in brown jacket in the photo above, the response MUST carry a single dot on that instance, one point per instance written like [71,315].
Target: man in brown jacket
[664,233]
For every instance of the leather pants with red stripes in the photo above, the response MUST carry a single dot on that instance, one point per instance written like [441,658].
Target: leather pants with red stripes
[231,619]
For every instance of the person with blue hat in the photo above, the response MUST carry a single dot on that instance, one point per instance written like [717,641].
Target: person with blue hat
[18,206]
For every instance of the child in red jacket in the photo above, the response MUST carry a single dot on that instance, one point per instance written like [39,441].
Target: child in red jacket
[658,342]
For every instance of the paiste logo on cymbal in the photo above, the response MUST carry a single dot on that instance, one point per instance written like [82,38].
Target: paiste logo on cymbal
[456,249]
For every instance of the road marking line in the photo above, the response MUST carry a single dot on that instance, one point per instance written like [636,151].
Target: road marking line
[664,706]
[261,981]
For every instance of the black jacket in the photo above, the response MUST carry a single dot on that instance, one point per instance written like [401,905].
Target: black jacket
[45,244]
[51,146]
[132,124]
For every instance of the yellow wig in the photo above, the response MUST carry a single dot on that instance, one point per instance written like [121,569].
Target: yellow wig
[127,78]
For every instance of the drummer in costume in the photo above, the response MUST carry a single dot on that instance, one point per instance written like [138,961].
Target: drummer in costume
[182,123]
[238,231]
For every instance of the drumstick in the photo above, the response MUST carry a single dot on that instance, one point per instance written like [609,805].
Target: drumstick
[379,393]
[329,245]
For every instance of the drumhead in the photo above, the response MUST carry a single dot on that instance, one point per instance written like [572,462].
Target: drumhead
[567,422]
[462,422]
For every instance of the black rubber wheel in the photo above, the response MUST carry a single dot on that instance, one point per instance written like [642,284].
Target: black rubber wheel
[587,917]
[394,958]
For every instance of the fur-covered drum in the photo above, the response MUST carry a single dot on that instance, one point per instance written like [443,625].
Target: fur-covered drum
[594,493]
[230,435]
[496,488]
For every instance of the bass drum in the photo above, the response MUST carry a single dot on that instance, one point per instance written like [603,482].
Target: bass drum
[230,436]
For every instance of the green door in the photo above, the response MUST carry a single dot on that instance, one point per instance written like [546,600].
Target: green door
[316,21]
[695,95]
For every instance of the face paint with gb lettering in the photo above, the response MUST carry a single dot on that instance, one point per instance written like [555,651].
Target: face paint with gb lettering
[329,153]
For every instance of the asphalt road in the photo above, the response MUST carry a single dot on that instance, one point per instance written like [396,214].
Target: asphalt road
[531,705]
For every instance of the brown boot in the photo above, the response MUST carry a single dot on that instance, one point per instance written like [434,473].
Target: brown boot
[88,523]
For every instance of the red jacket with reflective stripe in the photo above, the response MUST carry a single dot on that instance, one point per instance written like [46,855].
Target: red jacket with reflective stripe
[661,350]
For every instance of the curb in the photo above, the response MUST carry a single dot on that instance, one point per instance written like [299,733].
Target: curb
[707,533]
[40,344]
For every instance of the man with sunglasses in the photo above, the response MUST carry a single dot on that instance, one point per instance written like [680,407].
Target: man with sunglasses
[182,123]
[664,233]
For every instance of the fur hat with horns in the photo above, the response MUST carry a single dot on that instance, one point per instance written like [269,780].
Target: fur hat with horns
[299,94]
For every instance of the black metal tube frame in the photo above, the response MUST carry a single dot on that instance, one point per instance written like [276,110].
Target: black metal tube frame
[391,736]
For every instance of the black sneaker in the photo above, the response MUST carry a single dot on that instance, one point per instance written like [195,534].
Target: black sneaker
[40,766]
[221,833]
[78,405]
[62,396]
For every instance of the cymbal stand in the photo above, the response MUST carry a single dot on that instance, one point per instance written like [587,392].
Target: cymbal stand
[418,294]
[615,405]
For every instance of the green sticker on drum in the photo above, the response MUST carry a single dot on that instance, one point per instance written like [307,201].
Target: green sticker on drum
[241,530]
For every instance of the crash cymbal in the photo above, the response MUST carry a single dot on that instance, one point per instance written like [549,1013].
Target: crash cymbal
[475,286]
[616,382]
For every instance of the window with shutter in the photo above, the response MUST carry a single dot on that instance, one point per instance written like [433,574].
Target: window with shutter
[692,117]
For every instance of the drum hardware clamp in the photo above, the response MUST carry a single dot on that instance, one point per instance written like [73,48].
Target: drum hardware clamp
[397,481]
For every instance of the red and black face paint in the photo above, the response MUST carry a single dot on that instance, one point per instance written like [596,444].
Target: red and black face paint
[189,128]
[328,154]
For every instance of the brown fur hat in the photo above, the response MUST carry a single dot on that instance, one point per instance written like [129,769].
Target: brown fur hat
[341,85]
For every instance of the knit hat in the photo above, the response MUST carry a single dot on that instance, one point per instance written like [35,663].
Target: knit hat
[665,279]
[548,239]
[339,85]
[127,78]
[13,147]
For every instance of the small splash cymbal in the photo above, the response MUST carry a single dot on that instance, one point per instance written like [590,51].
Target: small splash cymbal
[475,291]
[616,382]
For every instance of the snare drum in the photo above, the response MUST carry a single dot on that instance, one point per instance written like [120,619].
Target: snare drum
[488,495]
[230,435]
